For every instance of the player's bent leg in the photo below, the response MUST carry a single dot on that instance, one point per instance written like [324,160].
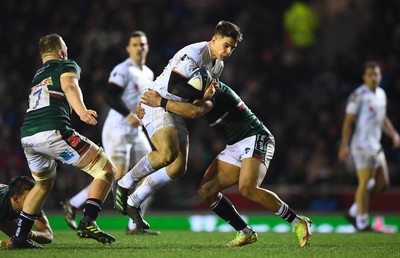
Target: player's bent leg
[166,144]
[103,171]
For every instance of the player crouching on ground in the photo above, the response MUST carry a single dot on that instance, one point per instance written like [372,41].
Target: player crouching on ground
[12,198]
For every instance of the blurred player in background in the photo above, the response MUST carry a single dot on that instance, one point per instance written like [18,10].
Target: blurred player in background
[364,121]
[12,198]
[244,161]
[168,131]
[123,138]
[47,136]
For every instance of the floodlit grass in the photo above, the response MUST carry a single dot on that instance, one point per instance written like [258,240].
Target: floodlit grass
[190,244]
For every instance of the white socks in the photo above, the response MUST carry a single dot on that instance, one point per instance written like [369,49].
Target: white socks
[362,221]
[149,186]
[142,169]
[80,198]
[353,210]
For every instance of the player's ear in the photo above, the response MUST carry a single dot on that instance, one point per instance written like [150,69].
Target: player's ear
[15,198]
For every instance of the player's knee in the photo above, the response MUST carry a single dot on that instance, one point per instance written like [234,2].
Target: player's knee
[176,171]
[247,191]
[206,194]
[203,193]
[167,156]
[101,168]
[45,179]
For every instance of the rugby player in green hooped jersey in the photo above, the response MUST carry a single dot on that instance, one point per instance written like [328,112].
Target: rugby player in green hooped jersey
[12,198]
[244,161]
[47,136]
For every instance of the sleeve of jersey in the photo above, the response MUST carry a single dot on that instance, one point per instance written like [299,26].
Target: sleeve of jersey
[178,86]
[353,104]
[118,76]
[70,66]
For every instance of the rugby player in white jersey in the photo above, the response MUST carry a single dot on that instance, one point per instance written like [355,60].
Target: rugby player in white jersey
[167,131]
[366,112]
[123,138]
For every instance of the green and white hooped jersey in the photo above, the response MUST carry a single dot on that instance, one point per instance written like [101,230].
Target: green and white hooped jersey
[48,106]
[6,210]
[232,118]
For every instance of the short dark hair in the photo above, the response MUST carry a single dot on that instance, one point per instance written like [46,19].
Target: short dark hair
[18,185]
[49,44]
[228,29]
[134,34]
[370,64]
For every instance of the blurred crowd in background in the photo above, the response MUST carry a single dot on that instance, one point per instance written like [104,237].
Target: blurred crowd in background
[297,64]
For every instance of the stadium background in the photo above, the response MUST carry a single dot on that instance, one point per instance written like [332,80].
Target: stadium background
[298,86]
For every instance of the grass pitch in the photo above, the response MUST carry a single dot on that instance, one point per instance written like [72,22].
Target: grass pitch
[190,244]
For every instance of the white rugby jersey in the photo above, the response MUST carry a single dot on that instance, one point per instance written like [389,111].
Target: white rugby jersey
[370,108]
[185,61]
[134,80]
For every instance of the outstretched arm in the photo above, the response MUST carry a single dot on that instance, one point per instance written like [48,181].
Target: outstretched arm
[186,110]
[43,233]
[70,86]
[347,130]
[389,129]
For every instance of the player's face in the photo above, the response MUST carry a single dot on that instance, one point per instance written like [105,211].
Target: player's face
[138,49]
[222,47]
[372,77]
[18,202]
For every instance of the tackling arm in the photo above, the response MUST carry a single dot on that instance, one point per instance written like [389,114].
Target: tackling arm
[186,110]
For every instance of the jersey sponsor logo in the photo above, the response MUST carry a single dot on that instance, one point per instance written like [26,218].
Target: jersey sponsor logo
[39,96]
[74,140]
[115,74]
[35,145]
[261,143]
[83,150]
[67,155]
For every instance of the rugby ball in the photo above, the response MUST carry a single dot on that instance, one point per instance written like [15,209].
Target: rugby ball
[200,79]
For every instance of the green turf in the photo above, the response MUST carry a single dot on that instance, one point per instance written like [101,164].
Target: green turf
[190,244]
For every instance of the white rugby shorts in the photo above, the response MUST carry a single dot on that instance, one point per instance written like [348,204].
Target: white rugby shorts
[43,148]
[158,118]
[124,144]
[367,158]
[260,146]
